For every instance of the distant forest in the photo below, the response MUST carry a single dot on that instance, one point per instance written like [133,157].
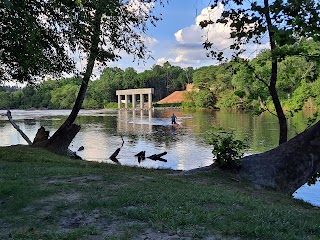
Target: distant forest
[236,84]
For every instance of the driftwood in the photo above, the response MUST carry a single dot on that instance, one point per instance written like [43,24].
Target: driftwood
[141,156]
[113,157]
[115,154]
[81,148]
[157,157]
[25,137]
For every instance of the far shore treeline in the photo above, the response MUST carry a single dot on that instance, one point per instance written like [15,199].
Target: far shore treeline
[228,85]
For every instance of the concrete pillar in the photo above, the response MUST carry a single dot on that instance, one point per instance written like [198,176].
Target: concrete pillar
[126,101]
[149,100]
[119,101]
[141,101]
[133,101]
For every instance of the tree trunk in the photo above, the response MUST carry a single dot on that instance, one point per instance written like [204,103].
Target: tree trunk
[288,166]
[283,133]
[283,126]
[61,139]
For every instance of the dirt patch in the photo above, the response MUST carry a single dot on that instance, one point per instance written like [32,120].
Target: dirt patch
[79,180]
[149,235]
[73,220]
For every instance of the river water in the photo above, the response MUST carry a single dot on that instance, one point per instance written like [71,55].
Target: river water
[103,131]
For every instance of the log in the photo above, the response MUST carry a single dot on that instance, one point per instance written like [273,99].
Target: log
[141,154]
[157,156]
[140,159]
[288,166]
[25,137]
[81,148]
[115,154]
[115,160]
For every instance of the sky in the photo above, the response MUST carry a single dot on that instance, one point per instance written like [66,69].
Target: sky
[178,38]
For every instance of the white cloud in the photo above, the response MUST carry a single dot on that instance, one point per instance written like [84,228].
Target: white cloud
[189,50]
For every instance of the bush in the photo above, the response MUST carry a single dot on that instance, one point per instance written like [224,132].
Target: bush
[111,105]
[227,150]
[228,99]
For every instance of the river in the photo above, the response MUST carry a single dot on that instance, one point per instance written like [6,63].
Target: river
[103,131]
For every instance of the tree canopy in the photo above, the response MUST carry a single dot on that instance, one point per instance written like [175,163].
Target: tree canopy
[39,38]
[285,23]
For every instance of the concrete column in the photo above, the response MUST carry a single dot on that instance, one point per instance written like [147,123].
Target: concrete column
[133,101]
[150,100]
[119,101]
[141,101]
[126,101]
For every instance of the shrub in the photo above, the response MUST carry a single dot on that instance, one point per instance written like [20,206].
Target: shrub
[226,149]
[111,105]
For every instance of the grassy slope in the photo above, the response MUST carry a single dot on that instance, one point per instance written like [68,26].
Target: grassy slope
[45,196]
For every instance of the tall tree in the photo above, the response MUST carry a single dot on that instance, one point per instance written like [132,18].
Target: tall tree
[48,30]
[283,21]
[31,45]
[103,28]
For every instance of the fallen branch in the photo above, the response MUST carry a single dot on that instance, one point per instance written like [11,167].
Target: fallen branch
[115,154]
[113,157]
[141,154]
[25,137]
[157,156]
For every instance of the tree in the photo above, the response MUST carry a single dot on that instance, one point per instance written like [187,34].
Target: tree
[100,29]
[284,22]
[31,46]
[119,24]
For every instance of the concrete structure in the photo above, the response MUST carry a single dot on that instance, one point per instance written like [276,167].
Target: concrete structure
[133,94]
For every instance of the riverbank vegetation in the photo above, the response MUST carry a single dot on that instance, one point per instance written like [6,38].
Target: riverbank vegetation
[47,196]
[228,85]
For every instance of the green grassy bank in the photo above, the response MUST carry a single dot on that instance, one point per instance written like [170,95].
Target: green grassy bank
[45,196]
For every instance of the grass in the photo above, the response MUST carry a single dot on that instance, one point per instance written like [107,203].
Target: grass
[45,196]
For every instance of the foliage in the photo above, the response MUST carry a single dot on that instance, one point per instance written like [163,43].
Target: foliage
[32,46]
[314,179]
[229,99]
[111,105]
[38,36]
[285,24]
[226,149]
[231,85]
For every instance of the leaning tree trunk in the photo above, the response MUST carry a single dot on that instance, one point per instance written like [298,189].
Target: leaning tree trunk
[288,166]
[61,139]
[283,134]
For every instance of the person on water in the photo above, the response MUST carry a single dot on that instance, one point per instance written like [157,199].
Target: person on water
[173,119]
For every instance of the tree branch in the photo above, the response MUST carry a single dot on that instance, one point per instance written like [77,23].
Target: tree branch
[25,137]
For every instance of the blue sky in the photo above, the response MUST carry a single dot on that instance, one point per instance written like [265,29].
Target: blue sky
[178,15]
[178,38]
